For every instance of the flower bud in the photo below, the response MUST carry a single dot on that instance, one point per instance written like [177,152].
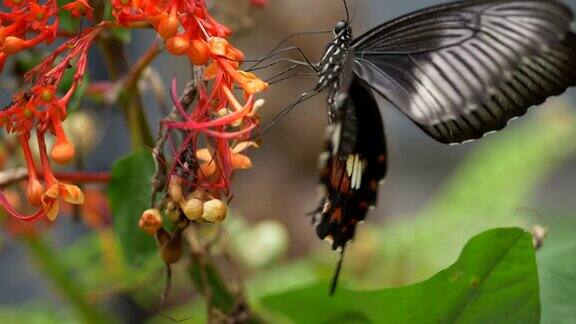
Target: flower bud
[198,52]
[207,169]
[171,254]
[240,161]
[218,46]
[193,208]
[150,221]
[12,45]
[177,45]
[168,26]
[215,211]
[34,192]
[175,189]
[62,150]
[172,211]
[172,249]
[250,83]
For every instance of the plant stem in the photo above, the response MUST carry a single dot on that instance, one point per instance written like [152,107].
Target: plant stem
[131,80]
[226,302]
[130,99]
[48,262]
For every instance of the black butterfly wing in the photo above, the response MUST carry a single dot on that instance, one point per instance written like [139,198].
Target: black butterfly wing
[464,69]
[352,166]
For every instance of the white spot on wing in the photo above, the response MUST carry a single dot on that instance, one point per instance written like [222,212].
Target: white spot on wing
[336,137]
[350,165]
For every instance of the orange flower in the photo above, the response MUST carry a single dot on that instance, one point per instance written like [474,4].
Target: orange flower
[237,160]
[69,193]
[249,82]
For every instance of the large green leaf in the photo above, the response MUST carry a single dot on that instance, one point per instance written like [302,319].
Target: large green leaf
[558,279]
[493,281]
[129,196]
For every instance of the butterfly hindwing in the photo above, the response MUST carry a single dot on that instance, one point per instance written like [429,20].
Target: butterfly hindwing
[464,69]
[352,167]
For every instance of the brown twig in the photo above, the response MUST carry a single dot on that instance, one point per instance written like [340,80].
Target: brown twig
[161,173]
[12,176]
[131,80]
[226,301]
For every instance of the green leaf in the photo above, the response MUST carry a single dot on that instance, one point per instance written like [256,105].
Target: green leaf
[67,23]
[129,194]
[558,280]
[493,281]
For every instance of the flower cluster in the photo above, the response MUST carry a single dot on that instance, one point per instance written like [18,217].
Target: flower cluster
[223,115]
[39,109]
[218,128]
[26,25]
[216,131]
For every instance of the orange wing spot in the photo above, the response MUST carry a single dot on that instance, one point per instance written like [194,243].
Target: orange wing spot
[336,215]
[374,185]
[339,179]
[382,158]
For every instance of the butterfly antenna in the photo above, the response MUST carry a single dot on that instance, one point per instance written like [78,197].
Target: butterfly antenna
[347,11]
[334,284]
[303,97]
[354,13]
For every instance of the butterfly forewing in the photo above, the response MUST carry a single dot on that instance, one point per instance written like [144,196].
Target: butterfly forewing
[352,167]
[464,69]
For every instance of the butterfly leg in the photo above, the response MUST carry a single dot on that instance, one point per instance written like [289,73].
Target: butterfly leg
[279,77]
[303,97]
[281,60]
[306,61]
[272,52]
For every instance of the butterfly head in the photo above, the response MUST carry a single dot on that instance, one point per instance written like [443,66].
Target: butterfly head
[340,27]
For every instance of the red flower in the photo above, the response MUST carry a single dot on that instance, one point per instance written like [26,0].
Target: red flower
[79,8]
[37,15]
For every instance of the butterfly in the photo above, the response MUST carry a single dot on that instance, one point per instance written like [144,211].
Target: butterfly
[458,71]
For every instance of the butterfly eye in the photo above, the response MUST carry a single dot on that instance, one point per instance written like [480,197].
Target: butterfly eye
[339,27]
